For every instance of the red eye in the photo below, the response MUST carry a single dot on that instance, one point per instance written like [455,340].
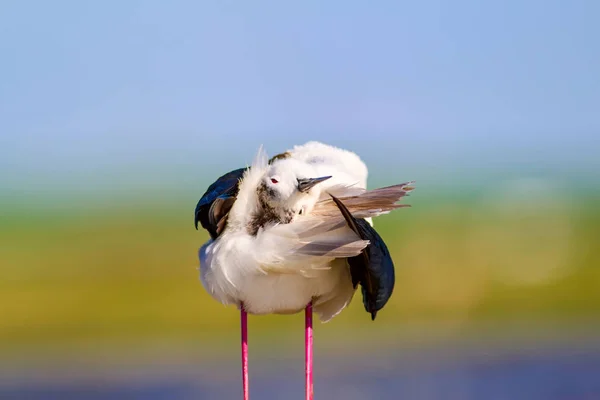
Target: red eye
[274,180]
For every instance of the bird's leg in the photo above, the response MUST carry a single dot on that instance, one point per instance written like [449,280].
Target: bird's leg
[244,318]
[308,351]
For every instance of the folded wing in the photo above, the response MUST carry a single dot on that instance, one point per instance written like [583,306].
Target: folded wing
[373,269]
[214,205]
[337,231]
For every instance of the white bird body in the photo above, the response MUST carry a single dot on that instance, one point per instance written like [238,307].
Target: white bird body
[284,266]
[272,292]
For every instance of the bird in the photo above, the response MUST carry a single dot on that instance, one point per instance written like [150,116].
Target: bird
[295,232]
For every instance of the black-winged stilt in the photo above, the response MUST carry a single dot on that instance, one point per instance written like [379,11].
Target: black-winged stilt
[295,233]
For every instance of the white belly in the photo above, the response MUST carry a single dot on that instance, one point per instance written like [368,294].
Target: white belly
[288,293]
[330,289]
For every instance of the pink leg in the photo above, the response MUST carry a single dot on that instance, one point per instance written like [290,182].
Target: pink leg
[244,316]
[308,351]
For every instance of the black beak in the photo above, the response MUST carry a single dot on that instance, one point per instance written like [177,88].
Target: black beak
[305,184]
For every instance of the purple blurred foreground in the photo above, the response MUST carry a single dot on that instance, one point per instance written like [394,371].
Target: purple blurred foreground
[551,373]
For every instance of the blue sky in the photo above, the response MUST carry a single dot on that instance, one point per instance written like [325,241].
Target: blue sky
[147,90]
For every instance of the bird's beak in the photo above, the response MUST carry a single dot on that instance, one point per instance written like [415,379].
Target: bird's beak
[305,184]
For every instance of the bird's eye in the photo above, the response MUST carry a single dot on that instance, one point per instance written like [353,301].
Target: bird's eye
[273,180]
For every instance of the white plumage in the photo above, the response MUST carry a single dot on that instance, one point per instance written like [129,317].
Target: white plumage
[285,266]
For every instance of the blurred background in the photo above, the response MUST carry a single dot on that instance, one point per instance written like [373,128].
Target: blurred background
[116,116]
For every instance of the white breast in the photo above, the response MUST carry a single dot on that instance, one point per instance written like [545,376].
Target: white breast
[231,276]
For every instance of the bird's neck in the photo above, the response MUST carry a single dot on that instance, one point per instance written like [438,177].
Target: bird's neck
[267,213]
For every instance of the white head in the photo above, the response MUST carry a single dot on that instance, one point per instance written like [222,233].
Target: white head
[290,186]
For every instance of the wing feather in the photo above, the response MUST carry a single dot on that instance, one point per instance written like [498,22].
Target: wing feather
[326,234]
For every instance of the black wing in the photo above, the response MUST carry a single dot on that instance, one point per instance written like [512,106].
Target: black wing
[215,203]
[373,268]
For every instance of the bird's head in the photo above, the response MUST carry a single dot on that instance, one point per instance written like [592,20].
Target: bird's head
[289,185]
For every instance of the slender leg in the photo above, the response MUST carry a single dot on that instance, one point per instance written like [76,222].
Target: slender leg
[308,352]
[244,316]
